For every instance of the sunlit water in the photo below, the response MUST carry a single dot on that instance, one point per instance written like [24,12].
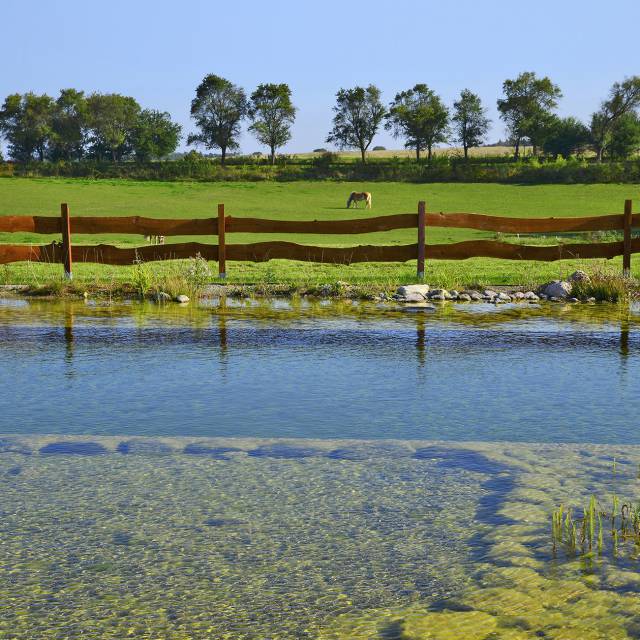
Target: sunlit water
[299,470]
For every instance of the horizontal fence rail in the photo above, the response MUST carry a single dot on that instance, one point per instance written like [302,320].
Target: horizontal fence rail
[63,252]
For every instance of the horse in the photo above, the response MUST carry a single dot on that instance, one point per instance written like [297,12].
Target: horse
[355,197]
[154,239]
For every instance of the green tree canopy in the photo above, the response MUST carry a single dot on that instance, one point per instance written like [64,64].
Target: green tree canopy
[470,123]
[154,135]
[420,117]
[624,141]
[111,118]
[273,114]
[624,97]
[26,123]
[566,136]
[358,115]
[69,126]
[218,109]
[527,107]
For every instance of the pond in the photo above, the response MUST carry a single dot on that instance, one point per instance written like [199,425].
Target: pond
[297,469]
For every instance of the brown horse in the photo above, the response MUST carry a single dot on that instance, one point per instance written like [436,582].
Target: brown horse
[356,197]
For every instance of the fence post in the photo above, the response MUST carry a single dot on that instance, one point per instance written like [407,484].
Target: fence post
[65,225]
[222,249]
[626,256]
[421,238]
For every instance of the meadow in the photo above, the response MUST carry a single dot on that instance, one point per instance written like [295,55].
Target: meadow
[310,201]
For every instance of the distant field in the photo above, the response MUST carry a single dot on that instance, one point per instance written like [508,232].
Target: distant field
[308,201]
[410,153]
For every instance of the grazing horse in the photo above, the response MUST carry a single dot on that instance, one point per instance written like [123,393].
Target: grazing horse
[154,239]
[355,197]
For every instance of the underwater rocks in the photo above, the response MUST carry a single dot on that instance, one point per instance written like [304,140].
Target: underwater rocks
[73,448]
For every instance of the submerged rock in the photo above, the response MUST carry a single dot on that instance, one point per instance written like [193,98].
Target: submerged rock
[365,451]
[219,453]
[144,447]
[11,446]
[73,448]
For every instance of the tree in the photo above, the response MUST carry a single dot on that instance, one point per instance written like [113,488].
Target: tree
[69,126]
[112,118]
[470,121]
[218,108]
[154,135]
[624,97]
[273,114]
[358,115]
[526,108]
[625,137]
[420,117]
[566,136]
[25,121]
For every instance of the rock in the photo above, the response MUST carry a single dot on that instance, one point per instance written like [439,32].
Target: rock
[591,300]
[531,296]
[73,448]
[410,289]
[579,276]
[555,299]
[439,297]
[144,447]
[474,295]
[573,300]
[488,294]
[557,289]
[412,297]
[439,294]
[518,295]
[162,296]
[503,297]
[454,294]
[182,298]
[464,297]
[542,297]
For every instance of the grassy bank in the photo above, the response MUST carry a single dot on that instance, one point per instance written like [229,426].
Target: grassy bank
[309,201]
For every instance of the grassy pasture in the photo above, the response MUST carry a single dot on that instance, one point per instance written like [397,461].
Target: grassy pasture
[309,201]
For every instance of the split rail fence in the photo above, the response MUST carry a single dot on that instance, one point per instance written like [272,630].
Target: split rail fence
[66,253]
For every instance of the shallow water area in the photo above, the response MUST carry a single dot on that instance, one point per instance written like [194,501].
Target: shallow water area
[247,469]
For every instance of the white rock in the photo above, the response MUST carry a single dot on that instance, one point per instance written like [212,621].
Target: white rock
[439,293]
[489,293]
[518,295]
[557,289]
[410,289]
[182,298]
[504,297]
[531,296]
[464,297]
[412,297]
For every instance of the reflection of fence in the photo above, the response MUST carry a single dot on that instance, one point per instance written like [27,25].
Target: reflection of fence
[63,252]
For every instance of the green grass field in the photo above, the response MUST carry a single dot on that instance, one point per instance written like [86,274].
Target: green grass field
[308,201]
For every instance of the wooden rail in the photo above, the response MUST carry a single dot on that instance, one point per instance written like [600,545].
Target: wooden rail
[63,252]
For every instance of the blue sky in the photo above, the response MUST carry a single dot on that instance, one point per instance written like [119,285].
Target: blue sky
[159,51]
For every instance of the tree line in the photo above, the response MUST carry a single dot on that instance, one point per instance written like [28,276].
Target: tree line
[99,126]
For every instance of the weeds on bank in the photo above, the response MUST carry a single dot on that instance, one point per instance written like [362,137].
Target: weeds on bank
[604,285]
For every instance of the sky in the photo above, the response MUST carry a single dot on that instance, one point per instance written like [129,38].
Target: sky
[158,52]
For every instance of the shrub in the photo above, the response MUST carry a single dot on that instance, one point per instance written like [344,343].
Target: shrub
[605,286]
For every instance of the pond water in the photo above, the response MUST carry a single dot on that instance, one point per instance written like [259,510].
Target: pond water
[309,470]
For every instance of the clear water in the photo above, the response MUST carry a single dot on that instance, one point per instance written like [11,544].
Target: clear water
[300,470]
[562,375]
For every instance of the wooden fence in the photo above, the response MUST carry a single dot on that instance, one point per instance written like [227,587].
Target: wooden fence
[63,252]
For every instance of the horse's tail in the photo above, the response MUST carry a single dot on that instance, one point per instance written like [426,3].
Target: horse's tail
[349,200]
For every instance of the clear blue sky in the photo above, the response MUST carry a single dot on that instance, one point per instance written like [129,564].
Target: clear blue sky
[159,51]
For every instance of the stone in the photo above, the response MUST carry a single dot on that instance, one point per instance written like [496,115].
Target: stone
[438,297]
[489,294]
[407,289]
[475,295]
[530,295]
[418,308]
[464,297]
[518,295]
[557,289]
[162,296]
[182,299]
[68,447]
[579,276]
[412,297]
[503,297]
[591,300]
[439,294]
[454,294]
[573,300]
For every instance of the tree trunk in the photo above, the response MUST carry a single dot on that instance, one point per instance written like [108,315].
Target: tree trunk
[113,155]
[466,151]
[516,154]
[223,155]
[429,153]
[362,153]
[273,155]
[418,153]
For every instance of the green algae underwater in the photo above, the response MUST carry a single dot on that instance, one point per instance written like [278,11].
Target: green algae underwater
[108,537]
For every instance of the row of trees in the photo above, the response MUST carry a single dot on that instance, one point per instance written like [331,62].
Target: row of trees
[75,126]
